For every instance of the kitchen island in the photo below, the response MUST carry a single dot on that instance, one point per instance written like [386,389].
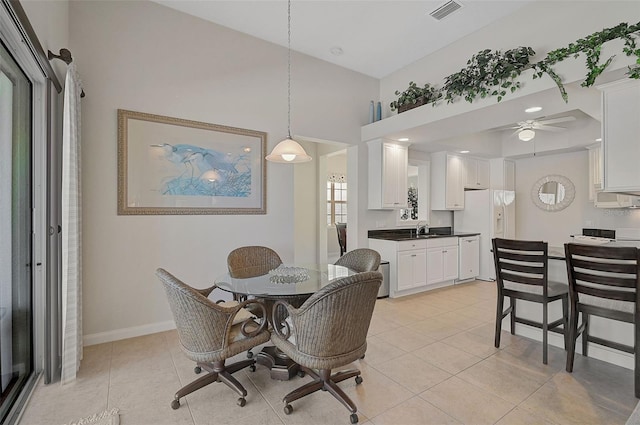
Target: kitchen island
[608,329]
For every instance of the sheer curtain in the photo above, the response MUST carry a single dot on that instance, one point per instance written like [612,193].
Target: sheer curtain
[71,229]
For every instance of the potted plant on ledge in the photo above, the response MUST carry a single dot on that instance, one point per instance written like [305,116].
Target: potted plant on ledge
[415,96]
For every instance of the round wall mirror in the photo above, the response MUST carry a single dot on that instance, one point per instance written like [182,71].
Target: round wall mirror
[553,193]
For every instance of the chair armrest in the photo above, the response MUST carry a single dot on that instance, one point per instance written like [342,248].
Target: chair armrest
[245,324]
[282,327]
[206,291]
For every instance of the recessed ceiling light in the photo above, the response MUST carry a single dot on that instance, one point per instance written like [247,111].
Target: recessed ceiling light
[336,51]
[403,139]
[533,109]
[599,139]
[464,151]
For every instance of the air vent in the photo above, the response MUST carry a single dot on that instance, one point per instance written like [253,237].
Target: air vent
[445,10]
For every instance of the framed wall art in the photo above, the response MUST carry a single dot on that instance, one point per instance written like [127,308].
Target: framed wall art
[175,166]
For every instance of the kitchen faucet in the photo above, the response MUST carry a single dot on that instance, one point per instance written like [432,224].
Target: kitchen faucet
[421,225]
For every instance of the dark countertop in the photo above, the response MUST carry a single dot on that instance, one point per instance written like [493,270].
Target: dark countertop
[409,234]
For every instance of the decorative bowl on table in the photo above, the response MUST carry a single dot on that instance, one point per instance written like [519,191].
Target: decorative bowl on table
[283,274]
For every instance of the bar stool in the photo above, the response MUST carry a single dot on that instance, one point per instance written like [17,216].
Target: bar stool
[604,282]
[521,274]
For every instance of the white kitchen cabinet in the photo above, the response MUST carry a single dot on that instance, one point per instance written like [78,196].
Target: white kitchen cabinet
[407,264]
[387,175]
[595,170]
[469,252]
[620,129]
[412,270]
[442,260]
[476,173]
[447,182]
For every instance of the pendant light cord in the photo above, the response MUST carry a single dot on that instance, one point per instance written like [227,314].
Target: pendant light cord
[289,68]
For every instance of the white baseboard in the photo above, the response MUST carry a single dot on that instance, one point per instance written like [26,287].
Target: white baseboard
[118,334]
[599,352]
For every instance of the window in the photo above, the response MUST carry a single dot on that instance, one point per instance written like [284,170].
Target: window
[336,202]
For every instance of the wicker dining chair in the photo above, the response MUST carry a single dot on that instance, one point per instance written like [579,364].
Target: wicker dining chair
[209,335]
[341,228]
[522,274]
[328,331]
[360,260]
[251,261]
[605,282]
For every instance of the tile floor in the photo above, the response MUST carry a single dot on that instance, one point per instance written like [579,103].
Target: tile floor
[430,360]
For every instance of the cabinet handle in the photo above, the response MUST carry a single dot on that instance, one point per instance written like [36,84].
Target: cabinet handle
[444,252]
[413,255]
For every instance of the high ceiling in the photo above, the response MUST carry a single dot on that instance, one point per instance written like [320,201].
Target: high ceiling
[375,37]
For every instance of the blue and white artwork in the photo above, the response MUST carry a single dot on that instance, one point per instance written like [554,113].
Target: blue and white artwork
[198,171]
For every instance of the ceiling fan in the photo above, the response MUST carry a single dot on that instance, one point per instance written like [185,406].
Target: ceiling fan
[526,130]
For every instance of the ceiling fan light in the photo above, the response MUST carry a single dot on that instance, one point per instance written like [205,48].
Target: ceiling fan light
[289,152]
[526,135]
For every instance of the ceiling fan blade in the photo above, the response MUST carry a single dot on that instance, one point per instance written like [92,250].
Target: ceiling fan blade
[549,128]
[557,120]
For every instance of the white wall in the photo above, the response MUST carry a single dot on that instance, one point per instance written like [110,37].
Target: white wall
[145,57]
[555,227]
[542,25]
[50,21]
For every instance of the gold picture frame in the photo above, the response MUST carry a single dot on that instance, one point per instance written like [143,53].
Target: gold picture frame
[173,166]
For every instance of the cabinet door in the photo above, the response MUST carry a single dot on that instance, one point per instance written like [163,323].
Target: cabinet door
[394,176]
[449,263]
[469,257]
[411,269]
[621,126]
[435,271]
[470,171]
[595,171]
[483,174]
[455,183]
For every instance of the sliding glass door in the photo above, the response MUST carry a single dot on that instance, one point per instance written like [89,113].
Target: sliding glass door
[16,231]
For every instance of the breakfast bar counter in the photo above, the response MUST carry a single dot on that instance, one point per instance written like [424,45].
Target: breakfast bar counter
[609,329]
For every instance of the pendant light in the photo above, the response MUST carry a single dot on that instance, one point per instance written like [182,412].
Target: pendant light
[288,151]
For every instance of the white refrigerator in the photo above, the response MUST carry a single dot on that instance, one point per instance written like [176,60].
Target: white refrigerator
[492,214]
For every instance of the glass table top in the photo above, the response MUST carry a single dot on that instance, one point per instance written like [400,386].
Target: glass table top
[267,285]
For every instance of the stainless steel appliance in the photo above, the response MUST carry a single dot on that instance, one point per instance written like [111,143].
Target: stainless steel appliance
[384,288]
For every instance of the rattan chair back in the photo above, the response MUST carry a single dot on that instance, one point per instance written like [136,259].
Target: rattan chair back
[360,260]
[251,261]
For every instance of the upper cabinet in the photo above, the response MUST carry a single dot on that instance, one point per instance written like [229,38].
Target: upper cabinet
[621,136]
[387,175]
[447,181]
[476,173]
[595,170]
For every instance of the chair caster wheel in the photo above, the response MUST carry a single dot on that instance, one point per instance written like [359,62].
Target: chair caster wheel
[353,418]
[301,373]
[288,409]
[249,355]
[362,357]
[197,369]
[175,404]
[242,401]
[252,368]
[358,380]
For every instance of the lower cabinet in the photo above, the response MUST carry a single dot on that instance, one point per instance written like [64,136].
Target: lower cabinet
[412,272]
[442,260]
[418,265]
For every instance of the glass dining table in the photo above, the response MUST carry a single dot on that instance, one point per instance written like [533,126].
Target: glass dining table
[294,284]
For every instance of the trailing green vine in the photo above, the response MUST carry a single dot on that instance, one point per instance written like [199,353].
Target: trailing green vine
[491,73]
[488,74]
